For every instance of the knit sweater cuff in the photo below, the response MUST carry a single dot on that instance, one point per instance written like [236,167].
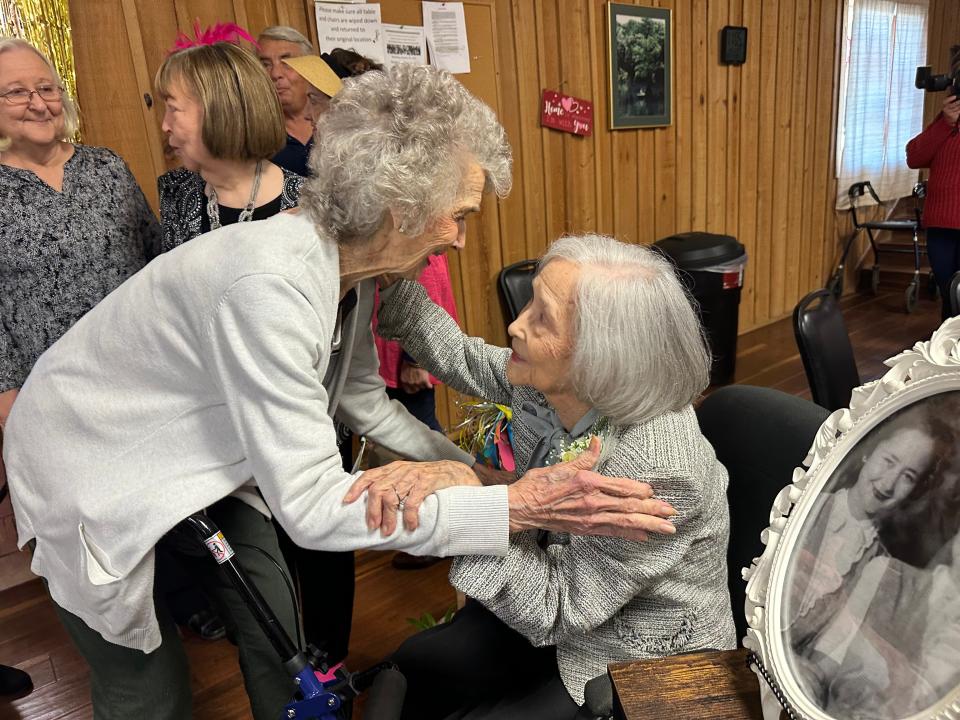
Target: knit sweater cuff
[478,519]
[484,578]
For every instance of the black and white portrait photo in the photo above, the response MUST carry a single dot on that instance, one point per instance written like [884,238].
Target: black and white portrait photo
[871,604]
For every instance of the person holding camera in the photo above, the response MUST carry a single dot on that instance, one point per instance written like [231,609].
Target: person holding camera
[938,148]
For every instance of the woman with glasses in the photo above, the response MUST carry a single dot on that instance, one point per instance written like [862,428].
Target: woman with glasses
[74,224]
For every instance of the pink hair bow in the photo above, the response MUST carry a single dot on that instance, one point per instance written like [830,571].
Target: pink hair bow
[221,32]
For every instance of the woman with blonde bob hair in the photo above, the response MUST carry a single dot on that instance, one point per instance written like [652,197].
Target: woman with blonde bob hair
[609,346]
[223,121]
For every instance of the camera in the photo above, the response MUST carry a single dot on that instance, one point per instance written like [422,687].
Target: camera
[926,80]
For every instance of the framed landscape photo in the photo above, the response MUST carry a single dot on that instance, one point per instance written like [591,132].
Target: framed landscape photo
[640,66]
[854,606]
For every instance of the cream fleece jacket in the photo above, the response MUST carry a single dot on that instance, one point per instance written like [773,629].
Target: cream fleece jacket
[200,372]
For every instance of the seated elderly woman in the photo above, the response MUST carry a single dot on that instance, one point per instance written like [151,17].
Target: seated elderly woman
[224,361]
[609,346]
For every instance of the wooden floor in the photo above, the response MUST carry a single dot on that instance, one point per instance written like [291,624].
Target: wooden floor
[31,638]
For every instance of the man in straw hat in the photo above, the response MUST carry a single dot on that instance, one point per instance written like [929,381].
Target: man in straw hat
[275,47]
[323,82]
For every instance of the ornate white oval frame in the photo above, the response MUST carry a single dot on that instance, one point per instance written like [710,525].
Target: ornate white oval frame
[928,369]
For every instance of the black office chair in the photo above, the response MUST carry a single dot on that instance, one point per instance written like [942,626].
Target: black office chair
[760,435]
[516,286]
[825,349]
[909,225]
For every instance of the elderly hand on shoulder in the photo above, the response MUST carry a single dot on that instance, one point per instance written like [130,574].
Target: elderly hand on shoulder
[566,497]
[569,497]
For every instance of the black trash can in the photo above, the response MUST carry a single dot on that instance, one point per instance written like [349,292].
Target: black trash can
[712,266]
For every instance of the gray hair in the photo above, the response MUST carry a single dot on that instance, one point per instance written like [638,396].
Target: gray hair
[71,116]
[640,349]
[285,33]
[399,142]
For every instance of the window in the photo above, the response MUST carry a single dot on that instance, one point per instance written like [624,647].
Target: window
[880,110]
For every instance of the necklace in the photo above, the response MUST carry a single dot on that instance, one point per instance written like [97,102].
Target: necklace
[213,206]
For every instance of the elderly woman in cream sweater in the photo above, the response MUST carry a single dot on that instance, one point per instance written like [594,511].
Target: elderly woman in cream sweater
[212,378]
[609,346]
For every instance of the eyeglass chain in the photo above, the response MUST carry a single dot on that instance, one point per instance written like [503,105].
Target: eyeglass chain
[213,206]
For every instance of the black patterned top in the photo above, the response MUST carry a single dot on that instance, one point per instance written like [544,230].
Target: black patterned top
[183,205]
[63,252]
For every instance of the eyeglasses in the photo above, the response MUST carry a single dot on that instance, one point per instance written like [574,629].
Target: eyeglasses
[22,96]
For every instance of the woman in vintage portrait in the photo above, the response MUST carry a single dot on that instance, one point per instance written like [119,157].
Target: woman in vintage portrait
[905,654]
[846,532]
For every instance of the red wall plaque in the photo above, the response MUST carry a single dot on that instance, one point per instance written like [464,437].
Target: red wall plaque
[563,112]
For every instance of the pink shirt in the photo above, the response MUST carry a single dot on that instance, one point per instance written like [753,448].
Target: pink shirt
[435,278]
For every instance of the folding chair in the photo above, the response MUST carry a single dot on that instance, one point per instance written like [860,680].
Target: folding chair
[516,286]
[825,349]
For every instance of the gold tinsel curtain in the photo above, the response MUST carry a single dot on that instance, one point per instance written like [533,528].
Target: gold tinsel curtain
[46,25]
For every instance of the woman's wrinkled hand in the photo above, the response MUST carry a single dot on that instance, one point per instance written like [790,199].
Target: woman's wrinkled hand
[401,487]
[413,378]
[569,497]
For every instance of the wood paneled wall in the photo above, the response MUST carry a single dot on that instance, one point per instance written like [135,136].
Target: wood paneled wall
[750,152]
[944,32]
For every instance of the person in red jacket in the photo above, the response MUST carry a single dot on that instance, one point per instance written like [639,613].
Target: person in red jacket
[938,148]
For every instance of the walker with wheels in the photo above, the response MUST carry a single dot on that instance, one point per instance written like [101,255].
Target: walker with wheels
[323,693]
[911,225]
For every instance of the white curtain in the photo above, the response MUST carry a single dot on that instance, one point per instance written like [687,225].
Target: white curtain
[880,110]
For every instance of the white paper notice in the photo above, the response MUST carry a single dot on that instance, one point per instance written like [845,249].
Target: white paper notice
[352,27]
[405,44]
[446,31]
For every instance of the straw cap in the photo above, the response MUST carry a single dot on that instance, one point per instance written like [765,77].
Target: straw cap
[316,72]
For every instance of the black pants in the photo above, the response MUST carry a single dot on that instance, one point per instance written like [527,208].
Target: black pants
[477,668]
[127,683]
[943,252]
[421,404]
[325,584]
[325,581]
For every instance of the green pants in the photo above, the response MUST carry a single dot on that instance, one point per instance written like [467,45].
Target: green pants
[127,683]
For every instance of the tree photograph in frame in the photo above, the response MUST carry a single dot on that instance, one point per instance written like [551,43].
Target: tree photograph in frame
[640,66]
[854,606]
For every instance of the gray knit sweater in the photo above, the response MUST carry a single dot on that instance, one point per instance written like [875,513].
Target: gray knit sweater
[598,599]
